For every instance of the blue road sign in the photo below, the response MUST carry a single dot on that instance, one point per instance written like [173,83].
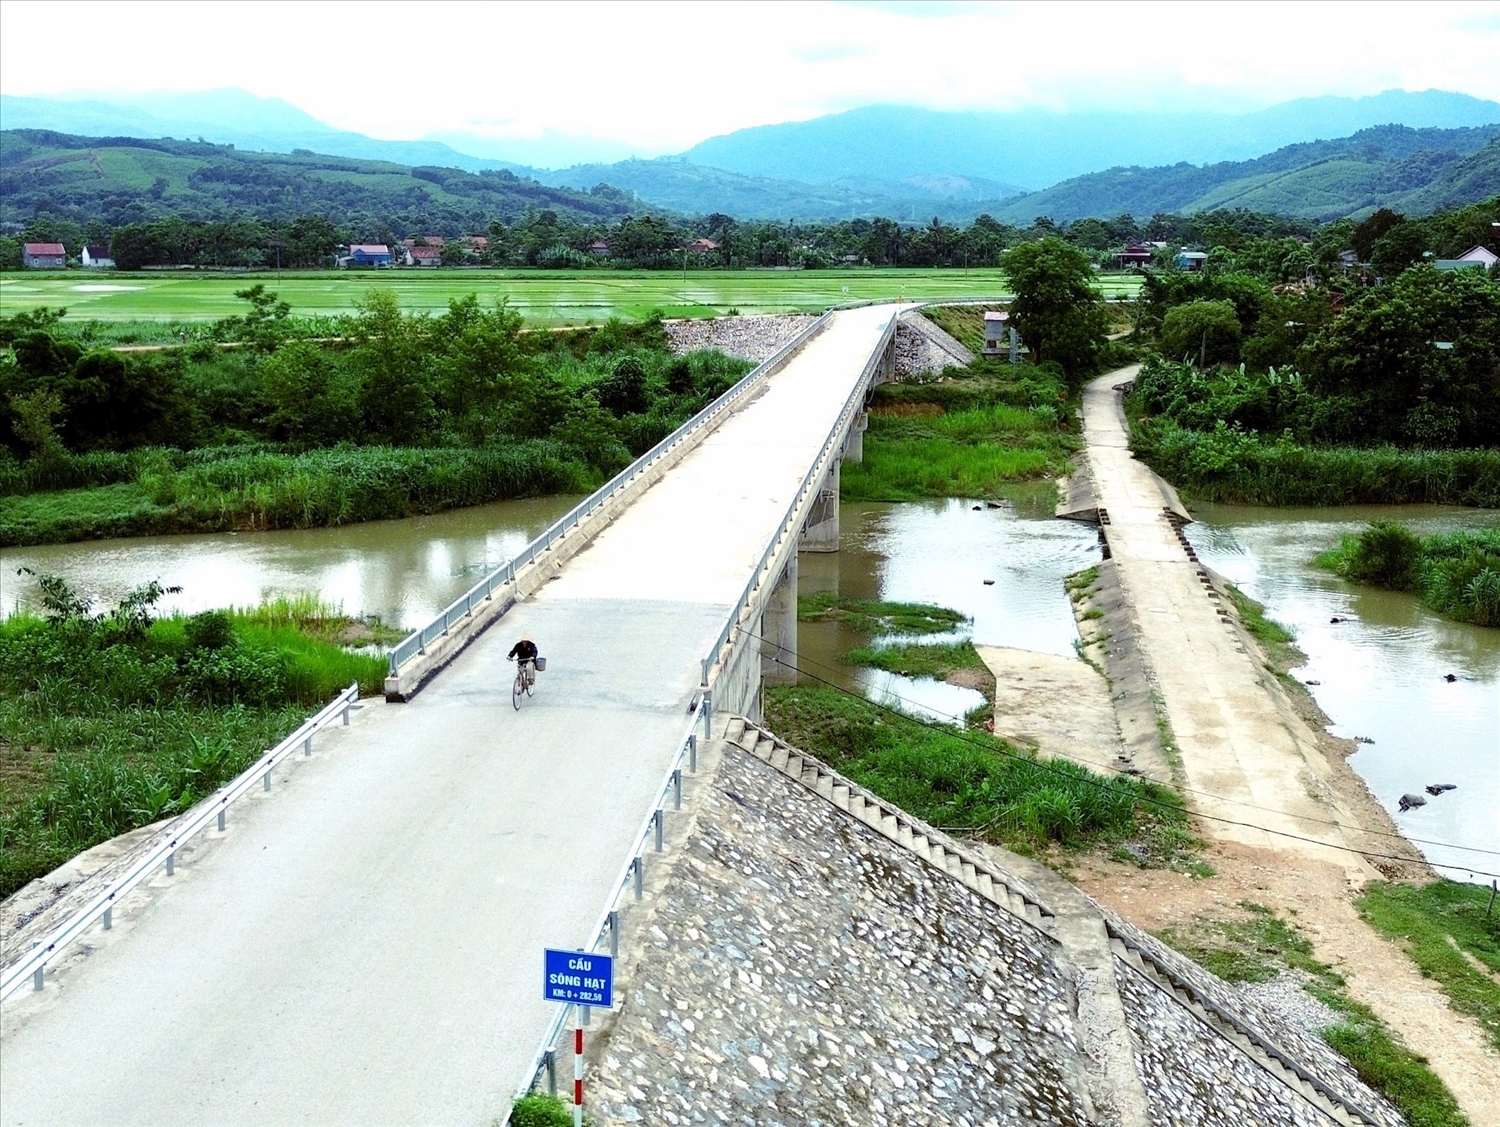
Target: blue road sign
[578,978]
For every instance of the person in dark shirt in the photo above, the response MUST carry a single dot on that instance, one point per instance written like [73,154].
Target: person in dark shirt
[524,652]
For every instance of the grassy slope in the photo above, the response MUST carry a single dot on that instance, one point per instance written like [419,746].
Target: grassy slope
[1257,946]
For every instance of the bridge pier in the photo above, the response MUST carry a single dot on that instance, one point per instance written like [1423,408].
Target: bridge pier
[820,532]
[778,630]
[854,442]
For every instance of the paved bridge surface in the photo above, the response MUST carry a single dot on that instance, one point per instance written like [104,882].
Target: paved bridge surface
[365,947]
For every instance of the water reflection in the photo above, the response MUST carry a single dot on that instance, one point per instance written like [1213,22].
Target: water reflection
[1381,671]
[405,571]
[943,552]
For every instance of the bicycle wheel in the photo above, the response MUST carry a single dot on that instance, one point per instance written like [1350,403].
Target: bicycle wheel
[518,688]
[530,681]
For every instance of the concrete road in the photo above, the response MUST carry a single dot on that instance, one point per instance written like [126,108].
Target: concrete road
[364,945]
[1239,737]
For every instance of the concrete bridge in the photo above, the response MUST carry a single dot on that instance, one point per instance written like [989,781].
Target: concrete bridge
[363,944]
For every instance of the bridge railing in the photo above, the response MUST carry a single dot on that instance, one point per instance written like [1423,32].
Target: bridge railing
[608,924]
[418,640]
[33,964]
[811,481]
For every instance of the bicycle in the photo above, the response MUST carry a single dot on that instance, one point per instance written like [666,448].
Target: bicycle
[525,679]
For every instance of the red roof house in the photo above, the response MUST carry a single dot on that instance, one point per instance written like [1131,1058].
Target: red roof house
[44,256]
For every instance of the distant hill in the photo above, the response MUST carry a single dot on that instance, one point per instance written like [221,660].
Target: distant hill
[678,185]
[1415,171]
[1038,148]
[225,117]
[129,180]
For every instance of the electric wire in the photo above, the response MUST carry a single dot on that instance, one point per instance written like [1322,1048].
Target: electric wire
[951,733]
[1083,762]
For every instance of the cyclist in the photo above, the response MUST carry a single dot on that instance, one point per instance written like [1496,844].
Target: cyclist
[524,654]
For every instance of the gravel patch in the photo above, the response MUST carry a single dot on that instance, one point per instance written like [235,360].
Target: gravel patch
[748,338]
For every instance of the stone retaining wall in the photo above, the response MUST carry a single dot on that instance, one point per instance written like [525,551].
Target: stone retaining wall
[749,338]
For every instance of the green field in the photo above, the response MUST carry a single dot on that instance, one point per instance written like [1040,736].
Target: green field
[545,297]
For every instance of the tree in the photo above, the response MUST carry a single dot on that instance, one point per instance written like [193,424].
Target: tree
[1420,356]
[312,402]
[396,400]
[1057,312]
[1366,234]
[1206,330]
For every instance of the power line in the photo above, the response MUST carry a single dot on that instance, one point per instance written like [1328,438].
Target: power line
[1185,789]
[951,733]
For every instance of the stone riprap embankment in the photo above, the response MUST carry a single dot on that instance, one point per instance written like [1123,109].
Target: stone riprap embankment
[924,349]
[813,958]
[749,338]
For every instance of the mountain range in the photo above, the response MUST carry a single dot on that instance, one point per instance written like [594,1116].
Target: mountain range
[1312,157]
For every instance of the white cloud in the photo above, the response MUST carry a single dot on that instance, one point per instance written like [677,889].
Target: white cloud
[657,77]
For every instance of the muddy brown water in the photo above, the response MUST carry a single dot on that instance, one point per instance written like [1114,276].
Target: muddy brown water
[1381,670]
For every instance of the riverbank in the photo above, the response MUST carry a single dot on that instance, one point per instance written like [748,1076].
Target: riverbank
[109,722]
[971,433]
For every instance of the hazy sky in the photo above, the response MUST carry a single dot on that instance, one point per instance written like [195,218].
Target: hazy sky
[650,78]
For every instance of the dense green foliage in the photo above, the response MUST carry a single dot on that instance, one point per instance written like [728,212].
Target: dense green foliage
[1457,574]
[872,616]
[1440,923]
[965,781]
[1394,398]
[411,414]
[112,721]
[538,1109]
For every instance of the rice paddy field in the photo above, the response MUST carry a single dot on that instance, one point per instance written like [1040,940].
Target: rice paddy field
[543,297]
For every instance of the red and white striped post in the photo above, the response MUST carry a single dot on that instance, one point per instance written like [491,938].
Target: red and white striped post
[582,1017]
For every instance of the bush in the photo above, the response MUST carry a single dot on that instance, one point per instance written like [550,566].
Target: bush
[211,630]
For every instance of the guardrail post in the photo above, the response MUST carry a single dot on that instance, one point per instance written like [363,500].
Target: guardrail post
[549,1062]
[36,978]
[221,819]
[705,672]
[708,711]
[346,714]
[306,749]
[657,817]
[614,934]
[636,864]
[109,917]
[677,789]
[266,778]
[693,752]
[171,862]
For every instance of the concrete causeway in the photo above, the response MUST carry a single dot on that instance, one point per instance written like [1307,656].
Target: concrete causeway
[364,945]
[1239,738]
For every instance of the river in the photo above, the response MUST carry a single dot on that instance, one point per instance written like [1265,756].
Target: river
[1380,673]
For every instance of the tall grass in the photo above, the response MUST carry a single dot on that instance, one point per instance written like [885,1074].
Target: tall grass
[1457,574]
[108,723]
[263,490]
[1229,465]
[965,781]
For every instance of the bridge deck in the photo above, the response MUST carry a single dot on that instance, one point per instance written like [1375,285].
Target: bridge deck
[366,946]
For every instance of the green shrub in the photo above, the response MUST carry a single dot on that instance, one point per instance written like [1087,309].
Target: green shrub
[211,630]
[1207,330]
[536,1109]
[1389,555]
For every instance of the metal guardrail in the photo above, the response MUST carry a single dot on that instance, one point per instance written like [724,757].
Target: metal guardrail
[34,963]
[609,919]
[810,481]
[418,640]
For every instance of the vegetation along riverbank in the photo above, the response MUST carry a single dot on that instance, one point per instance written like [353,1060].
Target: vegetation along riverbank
[1265,390]
[1456,574]
[113,720]
[410,414]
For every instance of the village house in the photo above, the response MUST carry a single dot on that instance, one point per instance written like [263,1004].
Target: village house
[96,258]
[367,254]
[44,256]
[424,256]
[598,248]
[700,246]
[1134,254]
[1191,260]
[1475,258]
[479,244]
[423,240]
